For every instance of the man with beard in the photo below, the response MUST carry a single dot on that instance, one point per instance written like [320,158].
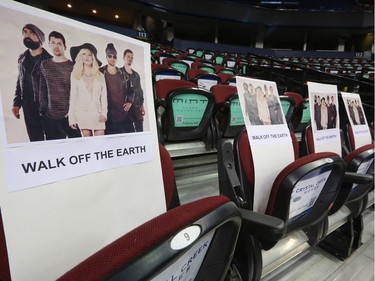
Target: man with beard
[27,89]
[54,90]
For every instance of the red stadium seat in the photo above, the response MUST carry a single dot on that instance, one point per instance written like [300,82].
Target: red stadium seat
[297,114]
[354,159]
[282,191]
[228,110]
[4,262]
[357,183]
[207,80]
[192,73]
[184,112]
[288,106]
[178,65]
[167,72]
[203,66]
[203,232]
[238,184]
[225,77]
[171,201]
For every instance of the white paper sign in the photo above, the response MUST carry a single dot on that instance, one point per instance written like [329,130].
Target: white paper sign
[357,119]
[363,168]
[162,76]
[324,117]
[206,83]
[268,133]
[28,167]
[87,191]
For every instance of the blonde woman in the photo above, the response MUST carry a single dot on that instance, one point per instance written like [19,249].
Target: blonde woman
[88,96]
[324,114]
[263,111]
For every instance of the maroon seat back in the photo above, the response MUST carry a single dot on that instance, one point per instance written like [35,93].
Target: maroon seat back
[155,66]
[350,137]
[148,250]
[360,160]
[192,73]
[170,188]
[245,163]
[354,160]
[296,115]
[4,262]
[225,77]
[298,99]
[222,92]
[281,196]
[163,87]
[228,110]
[285,189]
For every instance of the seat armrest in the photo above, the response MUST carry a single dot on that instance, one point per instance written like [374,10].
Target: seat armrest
[263,226]
[229,183]
[352,177]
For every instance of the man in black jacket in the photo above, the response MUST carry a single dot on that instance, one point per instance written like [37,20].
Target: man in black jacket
[119,99]
[26,95]
[133,87]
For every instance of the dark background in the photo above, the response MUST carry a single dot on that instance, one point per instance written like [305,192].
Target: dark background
[308,25]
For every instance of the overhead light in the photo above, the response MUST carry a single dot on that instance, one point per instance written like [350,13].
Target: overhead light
[116,16]
[69,5]
[94,11]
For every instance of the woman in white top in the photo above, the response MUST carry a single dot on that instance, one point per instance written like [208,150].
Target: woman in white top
[324,114]
[264,113]
[88,97]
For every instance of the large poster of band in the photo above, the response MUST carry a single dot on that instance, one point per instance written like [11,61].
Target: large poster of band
[357,119]
[77,129]
[70,89]
[324,117]
[268,134]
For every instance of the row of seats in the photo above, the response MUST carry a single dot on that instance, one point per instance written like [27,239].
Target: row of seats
[198,71]
[229,236]
[347,186]
[210,57]
[353,70]
[146,252]
[240,234]
[290,74]
[335,195]
[236,236]
[356,68]
[213,114]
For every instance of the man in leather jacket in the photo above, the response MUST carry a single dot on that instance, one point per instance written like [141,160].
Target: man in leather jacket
[26,95]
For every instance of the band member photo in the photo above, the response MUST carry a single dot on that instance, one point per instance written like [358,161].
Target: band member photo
[325,112]
[54,91]
[27,88]
[133,85]
[119,99]
[88,98]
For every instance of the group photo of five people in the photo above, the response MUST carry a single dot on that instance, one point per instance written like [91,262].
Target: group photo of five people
[78,97]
